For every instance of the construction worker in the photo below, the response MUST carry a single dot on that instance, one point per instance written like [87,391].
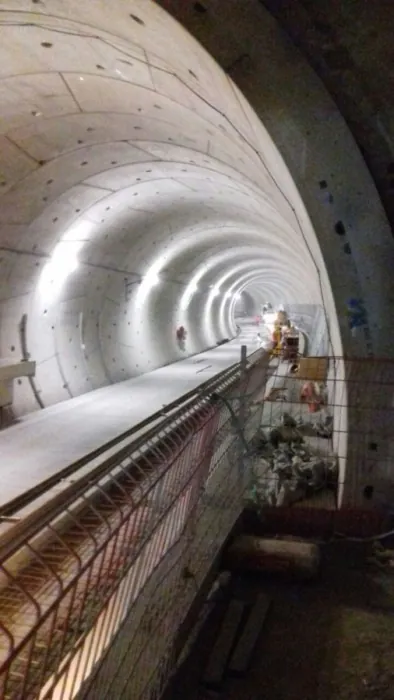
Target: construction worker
[276,339]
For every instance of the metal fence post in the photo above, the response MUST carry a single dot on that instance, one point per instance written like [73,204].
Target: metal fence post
[242,407]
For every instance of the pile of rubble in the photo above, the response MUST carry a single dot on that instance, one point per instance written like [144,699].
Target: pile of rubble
[286,469]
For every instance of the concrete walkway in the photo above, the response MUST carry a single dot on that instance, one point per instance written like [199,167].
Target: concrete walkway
[45,442]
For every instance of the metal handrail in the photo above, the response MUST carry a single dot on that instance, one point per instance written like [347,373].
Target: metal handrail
[16,504]
[83,564]
[13,539]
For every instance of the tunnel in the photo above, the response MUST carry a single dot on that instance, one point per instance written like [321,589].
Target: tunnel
[141,193]
[151,186]
[138,195]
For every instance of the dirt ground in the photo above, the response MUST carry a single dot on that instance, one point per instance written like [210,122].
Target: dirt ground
[331,639]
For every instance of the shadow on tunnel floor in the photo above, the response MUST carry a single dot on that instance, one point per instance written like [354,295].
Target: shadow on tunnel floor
[328,639]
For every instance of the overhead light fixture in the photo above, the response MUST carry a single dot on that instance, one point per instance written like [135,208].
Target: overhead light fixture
[215,291]
[237,296]
[228,295]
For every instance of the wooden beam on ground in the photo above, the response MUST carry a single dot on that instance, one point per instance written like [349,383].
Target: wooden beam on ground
[219,656]
[240,659]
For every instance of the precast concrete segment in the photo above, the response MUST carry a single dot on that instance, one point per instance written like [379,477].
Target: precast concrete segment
[130,164]
[46,441]
[313,136]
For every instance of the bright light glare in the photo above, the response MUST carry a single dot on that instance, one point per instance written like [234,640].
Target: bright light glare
[151,279]
[187,296]
[64,259]
[63,263]
[228,295]
[79,232]
[215,291]
[270,317]
[237,297]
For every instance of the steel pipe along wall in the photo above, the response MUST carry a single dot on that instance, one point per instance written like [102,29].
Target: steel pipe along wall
[139,192]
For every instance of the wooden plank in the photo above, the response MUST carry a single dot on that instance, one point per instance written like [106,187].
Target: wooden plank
[241,656]
[223,645]
[313,369]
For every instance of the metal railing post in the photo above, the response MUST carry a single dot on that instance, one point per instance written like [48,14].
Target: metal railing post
[242,407]
[95,554]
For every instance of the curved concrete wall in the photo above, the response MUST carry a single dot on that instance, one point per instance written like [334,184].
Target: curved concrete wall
[321,154]
[344,207]
[139,192]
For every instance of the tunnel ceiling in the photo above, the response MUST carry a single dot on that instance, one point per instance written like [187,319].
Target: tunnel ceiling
[349,44]
[320,77]
[139,192]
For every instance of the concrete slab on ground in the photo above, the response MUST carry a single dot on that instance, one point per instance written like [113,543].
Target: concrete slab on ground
[44,442]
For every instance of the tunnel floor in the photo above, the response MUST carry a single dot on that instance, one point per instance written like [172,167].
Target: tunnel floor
[44,442]
[327,640]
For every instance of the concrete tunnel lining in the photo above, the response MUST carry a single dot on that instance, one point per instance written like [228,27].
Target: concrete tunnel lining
[145,172]
[179,204]
[129,168]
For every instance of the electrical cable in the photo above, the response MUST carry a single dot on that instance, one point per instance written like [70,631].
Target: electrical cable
[373,538]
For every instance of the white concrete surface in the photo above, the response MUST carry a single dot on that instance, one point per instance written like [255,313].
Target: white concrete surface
[139,192]
[46,441]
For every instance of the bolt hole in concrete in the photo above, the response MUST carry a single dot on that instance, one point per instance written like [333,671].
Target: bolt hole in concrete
[199,7]
[137,19]
[368,492]
[46,44]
